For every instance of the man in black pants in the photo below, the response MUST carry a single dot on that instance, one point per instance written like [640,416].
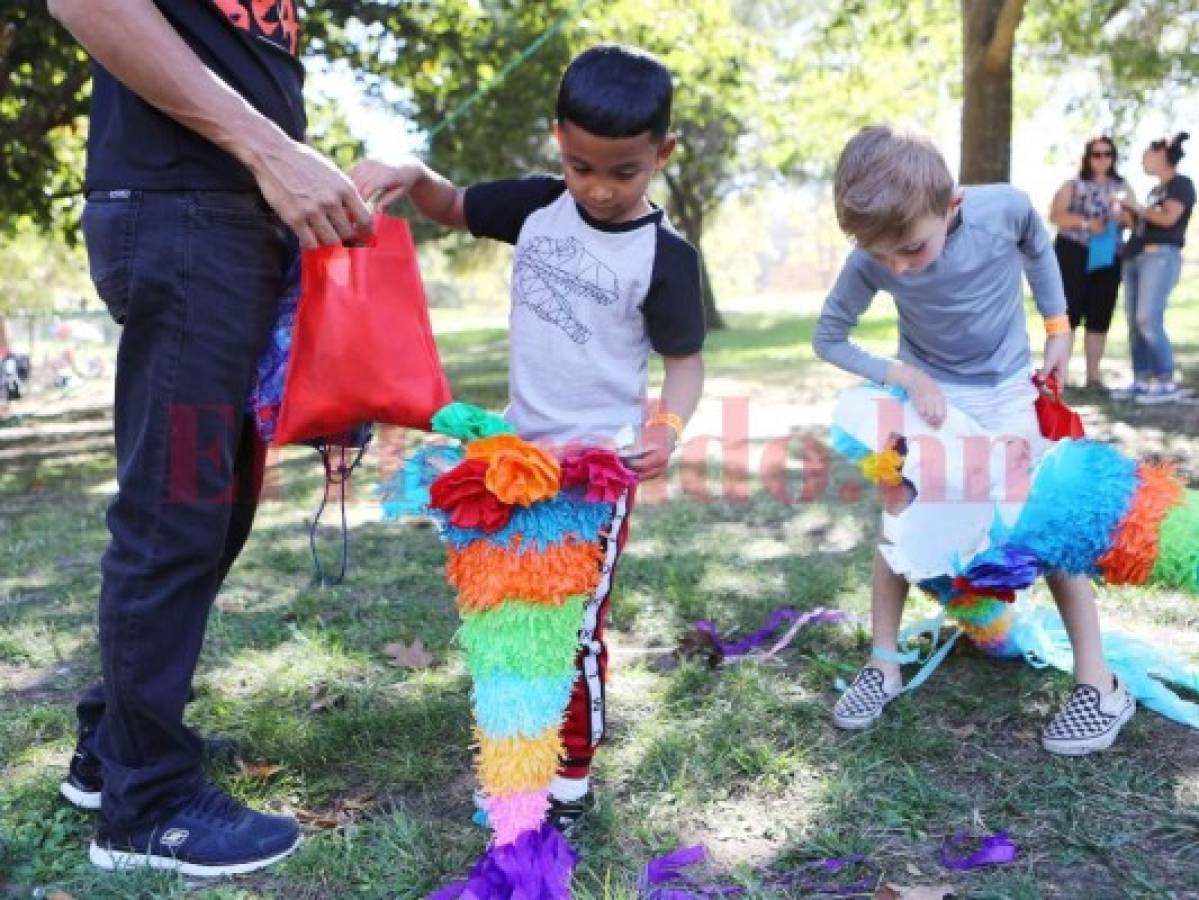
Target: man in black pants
[199,190]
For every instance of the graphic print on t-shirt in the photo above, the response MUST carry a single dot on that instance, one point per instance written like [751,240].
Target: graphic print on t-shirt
[274,20]
[550,275]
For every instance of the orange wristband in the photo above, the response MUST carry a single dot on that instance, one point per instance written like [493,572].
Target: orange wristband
[1055,325]
[670,420]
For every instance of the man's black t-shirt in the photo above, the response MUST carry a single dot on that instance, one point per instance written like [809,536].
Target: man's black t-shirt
[251,45]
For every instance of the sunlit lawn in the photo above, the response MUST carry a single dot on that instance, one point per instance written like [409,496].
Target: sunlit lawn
[742,758]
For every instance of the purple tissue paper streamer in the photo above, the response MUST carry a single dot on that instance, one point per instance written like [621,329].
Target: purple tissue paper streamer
[994,850]
[1004,568]
[666,867]
[798,879]
[539,865]
[762,635]
[663,878]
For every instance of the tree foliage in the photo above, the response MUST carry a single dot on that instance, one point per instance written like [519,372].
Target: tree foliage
[1144,51]
[445,54]
[767,88]
[857,63]
[40,271]
[44,78]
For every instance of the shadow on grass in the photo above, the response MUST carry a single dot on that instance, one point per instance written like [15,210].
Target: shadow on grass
[1182,418]
[742,758]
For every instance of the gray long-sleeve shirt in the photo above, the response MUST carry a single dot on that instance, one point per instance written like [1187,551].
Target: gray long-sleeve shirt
[961,319]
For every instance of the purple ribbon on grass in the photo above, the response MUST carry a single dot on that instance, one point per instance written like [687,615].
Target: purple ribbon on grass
[767,631]
[993,850]
[664,879]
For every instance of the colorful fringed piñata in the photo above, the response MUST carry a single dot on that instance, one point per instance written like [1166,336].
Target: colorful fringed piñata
[523,530]
[984,523]
[266,397]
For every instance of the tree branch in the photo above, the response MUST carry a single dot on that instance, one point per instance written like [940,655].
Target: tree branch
[1117,7]
[7,34]
[678,198]
[999,51]
[7,38]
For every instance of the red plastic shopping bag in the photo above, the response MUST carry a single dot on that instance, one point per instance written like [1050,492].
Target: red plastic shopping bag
[1056,419]
[363,349]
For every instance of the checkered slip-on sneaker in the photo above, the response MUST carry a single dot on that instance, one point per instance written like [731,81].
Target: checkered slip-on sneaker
[863,701]
[1088,722]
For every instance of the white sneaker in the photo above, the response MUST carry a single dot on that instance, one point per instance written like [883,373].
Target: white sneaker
[864,700]
[1088,722]
[1161,392]
[1131,392]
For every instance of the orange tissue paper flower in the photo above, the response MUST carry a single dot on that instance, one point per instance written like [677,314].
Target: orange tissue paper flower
[521,476]
[485,448]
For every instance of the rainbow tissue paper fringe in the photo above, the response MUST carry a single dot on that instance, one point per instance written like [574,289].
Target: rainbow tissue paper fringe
[1089,510]
[523,531]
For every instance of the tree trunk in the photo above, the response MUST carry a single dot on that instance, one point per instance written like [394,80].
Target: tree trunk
[712,316]
[688,216]
[988,39]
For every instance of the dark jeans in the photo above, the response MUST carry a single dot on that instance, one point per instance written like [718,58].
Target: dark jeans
[195,279]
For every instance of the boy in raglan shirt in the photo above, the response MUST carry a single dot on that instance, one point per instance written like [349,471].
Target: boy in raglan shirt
[599,280]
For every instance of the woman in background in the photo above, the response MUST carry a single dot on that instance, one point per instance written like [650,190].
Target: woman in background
[1086,212]
[1152,266]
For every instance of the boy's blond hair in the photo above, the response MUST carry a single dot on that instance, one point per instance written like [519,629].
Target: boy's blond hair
[886,182]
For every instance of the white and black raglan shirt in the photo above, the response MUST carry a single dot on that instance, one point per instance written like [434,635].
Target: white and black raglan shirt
[590,300]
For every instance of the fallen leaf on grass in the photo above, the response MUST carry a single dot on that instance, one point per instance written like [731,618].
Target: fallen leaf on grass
[359,803]
[323,699]
[59,895]
[261,771]
[964,731]
[324,821]
[408,656]
[344,814]
[914,892]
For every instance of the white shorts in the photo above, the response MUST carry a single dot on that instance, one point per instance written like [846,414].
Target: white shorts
[1006,408]
[928,538]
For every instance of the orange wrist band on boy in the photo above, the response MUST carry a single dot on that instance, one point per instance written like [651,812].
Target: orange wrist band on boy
[670,420]
[1055,325]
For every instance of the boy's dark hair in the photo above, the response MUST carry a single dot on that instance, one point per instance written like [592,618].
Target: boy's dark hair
[615,91]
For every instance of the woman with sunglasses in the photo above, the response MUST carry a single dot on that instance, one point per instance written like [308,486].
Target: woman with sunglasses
[1152,266]
[1086,212]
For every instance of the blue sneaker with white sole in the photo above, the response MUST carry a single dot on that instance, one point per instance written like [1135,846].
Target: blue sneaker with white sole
[210,836]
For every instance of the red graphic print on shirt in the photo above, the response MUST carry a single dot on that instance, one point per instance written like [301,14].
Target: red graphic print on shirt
[274,20]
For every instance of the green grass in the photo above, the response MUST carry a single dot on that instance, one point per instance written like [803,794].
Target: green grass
[742,758]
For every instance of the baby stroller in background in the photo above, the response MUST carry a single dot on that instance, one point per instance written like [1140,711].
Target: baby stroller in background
[14,372]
